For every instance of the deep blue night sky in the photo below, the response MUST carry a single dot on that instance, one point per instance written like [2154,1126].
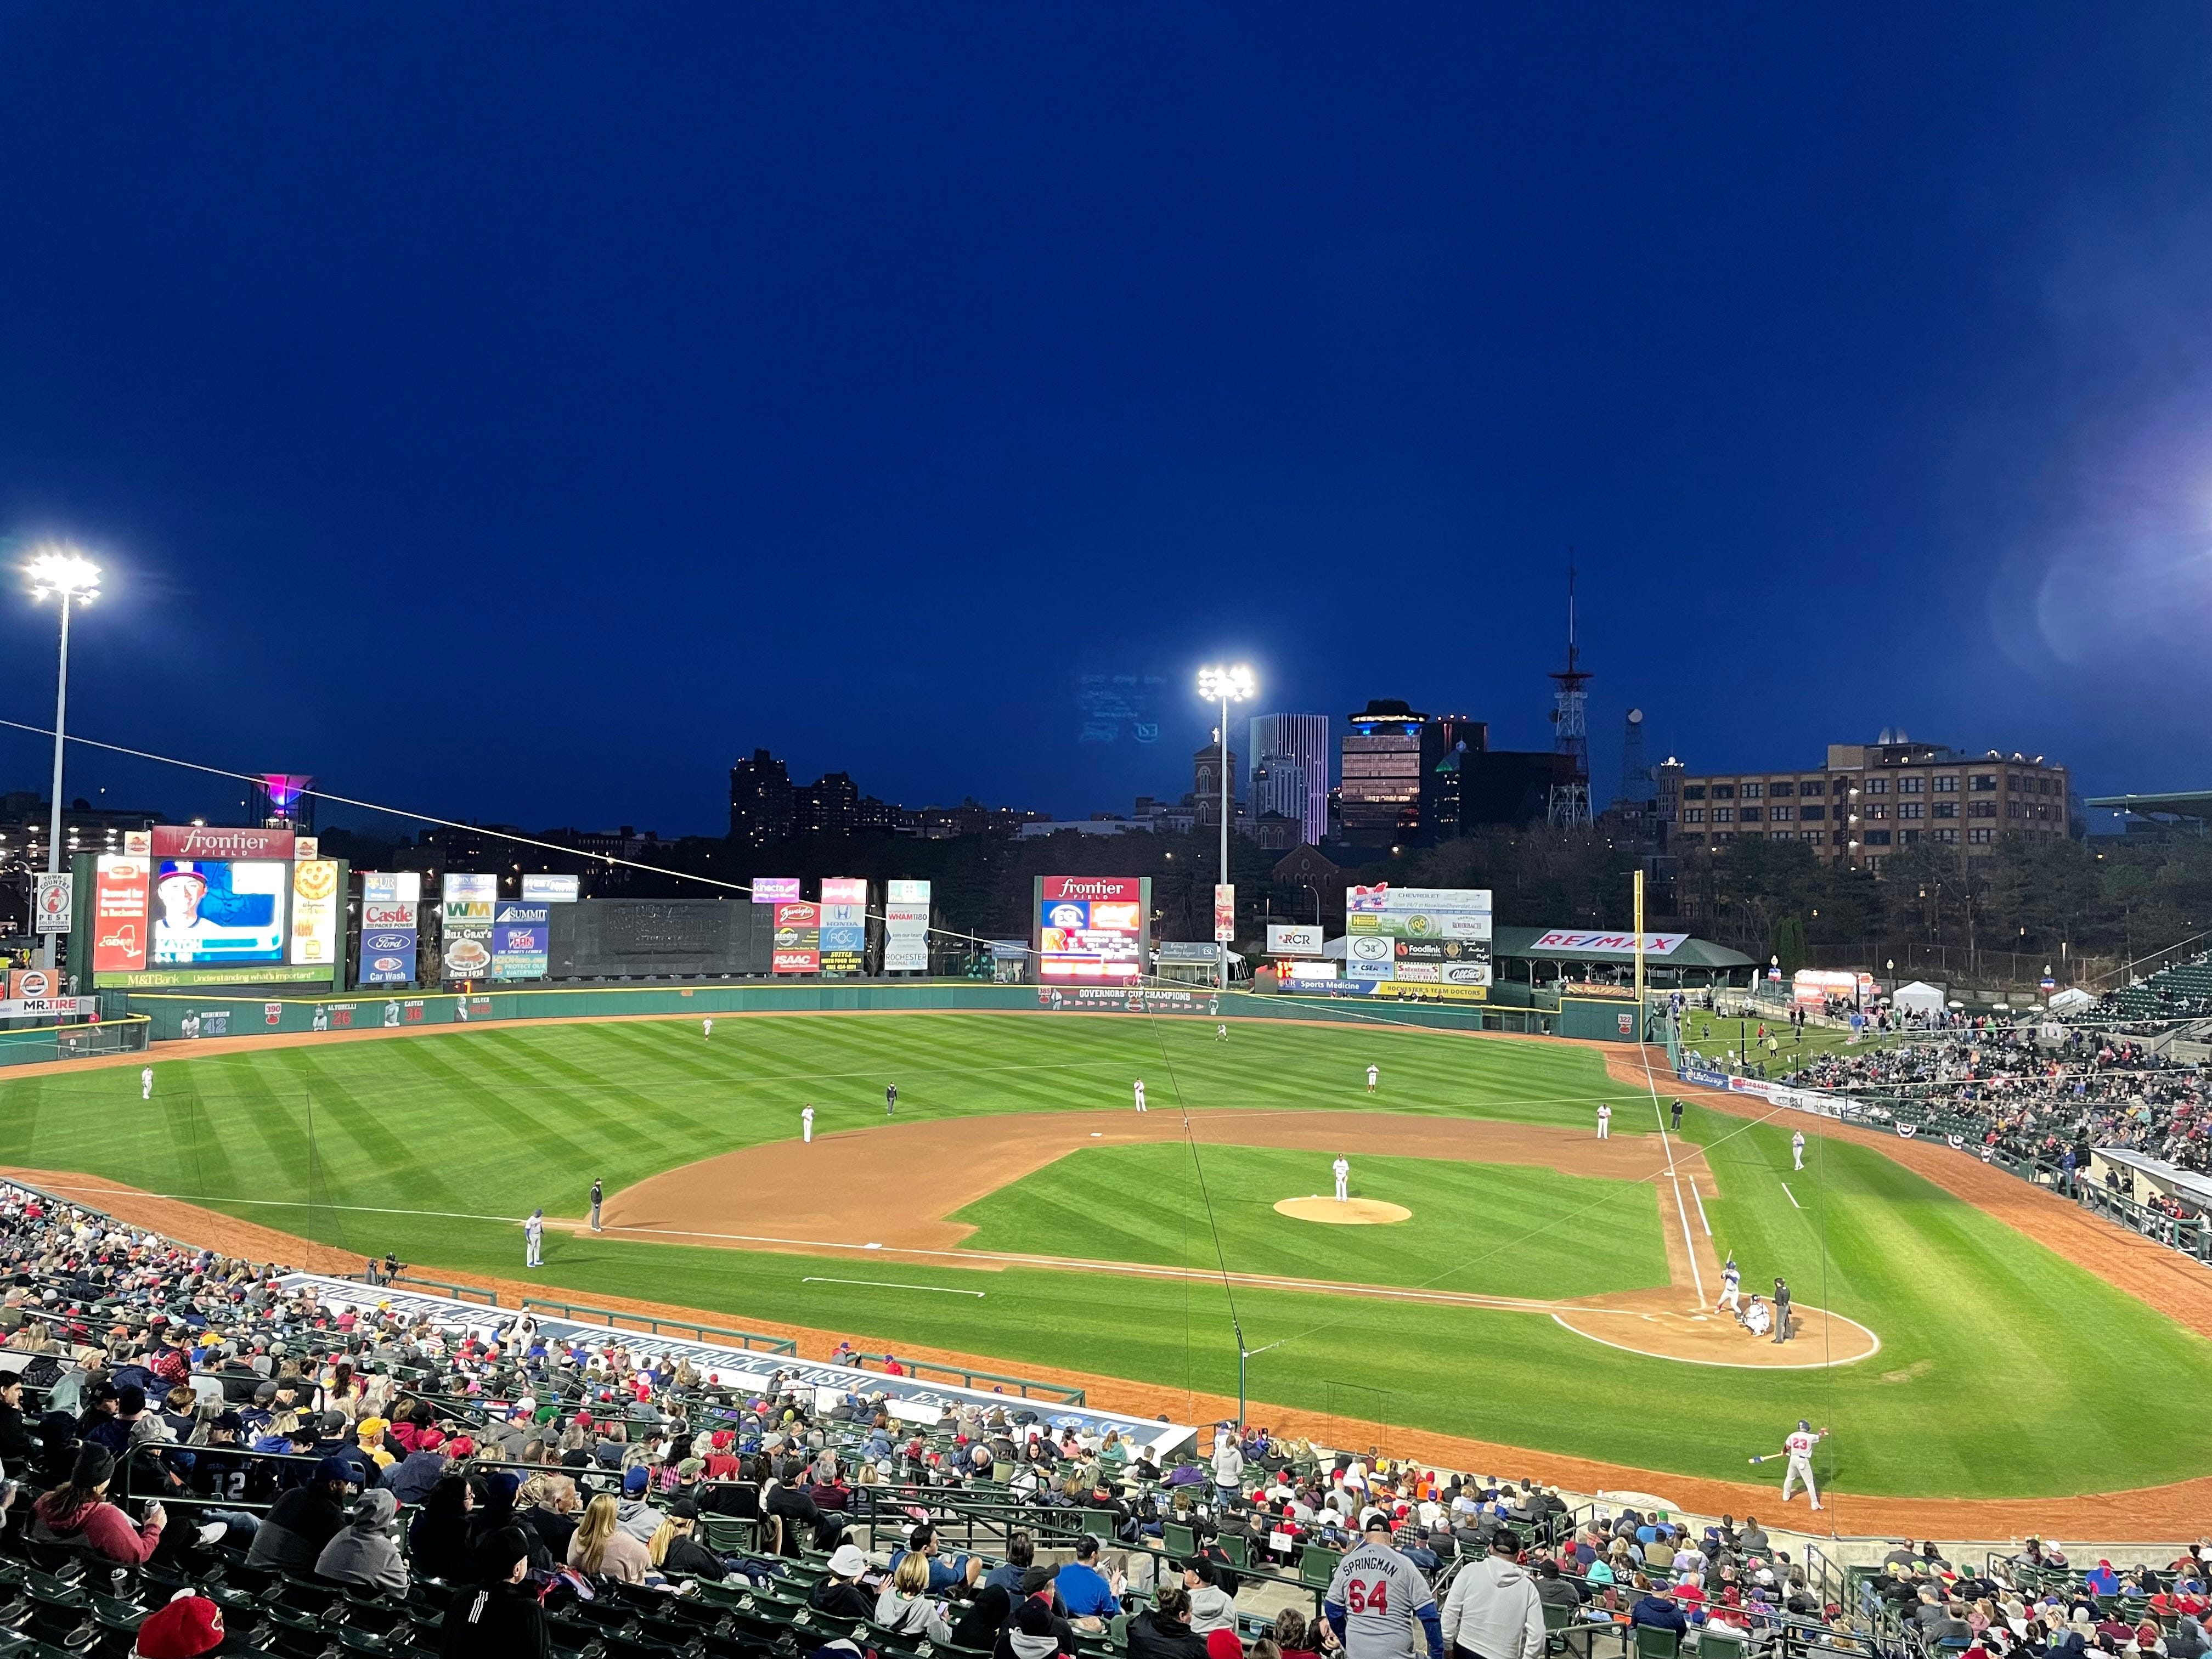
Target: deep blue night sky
[520,412]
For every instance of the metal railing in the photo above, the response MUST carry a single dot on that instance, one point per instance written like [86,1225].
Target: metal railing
[1029,1389]
[654,1326]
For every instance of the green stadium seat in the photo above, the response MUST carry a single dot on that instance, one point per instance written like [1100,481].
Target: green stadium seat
[1718,1644]
[1178,1540]
[1237,1547]
[1652,1643]
[1317,1565]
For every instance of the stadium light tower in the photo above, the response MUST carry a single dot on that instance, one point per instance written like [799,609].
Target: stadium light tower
[1226,686]
[63,570]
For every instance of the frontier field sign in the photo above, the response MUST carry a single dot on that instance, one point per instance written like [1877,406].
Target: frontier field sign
[1438,936]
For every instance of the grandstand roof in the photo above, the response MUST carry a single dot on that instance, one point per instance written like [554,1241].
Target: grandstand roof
[1689,953]
[2183,803]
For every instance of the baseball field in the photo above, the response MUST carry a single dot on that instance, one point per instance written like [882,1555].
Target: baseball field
[1545,1290]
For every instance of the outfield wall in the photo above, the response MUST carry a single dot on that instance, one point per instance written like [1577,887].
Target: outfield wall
[174,1014]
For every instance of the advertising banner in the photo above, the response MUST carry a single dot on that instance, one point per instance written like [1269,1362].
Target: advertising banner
[465,909]
[844,937]
[1288,939]
[553,890]
[121,900]
[32,983]
[53,900]
[1431,935]
[1369,955]
[1180,949]
[520,934]
[214,911]
[775,890]
[316,937]
[906,927]
[1608,945]
[391,887]
[1091,928]
[1224,912]
[844,889]
[387,942]
[47,1007]
[797,947]
[1307,973]
[197,840]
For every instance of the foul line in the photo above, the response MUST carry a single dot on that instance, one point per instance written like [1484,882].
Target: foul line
[1659,1114]
[1790,1195]
[886,1284]
[1700,1202]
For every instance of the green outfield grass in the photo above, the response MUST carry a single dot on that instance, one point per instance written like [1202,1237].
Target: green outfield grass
[1714,1036]
[1469,1230]
[2004,1370]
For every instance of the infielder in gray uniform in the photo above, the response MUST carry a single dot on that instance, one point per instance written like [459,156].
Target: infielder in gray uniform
[1377,1598]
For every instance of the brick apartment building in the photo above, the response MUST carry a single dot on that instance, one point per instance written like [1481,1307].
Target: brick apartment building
[1871,799]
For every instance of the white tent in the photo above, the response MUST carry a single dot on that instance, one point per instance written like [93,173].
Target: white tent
[2073,997]
[1918,998]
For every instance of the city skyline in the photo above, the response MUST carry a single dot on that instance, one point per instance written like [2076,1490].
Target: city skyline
[875,393]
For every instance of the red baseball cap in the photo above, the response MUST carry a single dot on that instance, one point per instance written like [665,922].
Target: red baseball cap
[185,1628]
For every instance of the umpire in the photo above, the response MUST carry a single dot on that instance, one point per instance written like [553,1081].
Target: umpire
[1493,1611]
[1781,1310]
[1376,1597]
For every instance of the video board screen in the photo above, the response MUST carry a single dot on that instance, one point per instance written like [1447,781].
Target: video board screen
[208,912]
[1092,928]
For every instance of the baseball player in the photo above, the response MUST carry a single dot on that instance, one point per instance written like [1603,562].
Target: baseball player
[1604,1121]
[534,1239]
[890,1098]
[1731,1288]
[1798,1448]
[1221,1033]
[595,1204]
[1678,1115]
[146,1083]
[807,1126]
[1374,1077]
[1755,1317]
[706,1028]
[1798,1149]
[1376,1597]
[1140,1094]
[1781,1310]
[1343,1173]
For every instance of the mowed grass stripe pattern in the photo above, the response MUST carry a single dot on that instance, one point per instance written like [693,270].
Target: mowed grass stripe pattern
[2004,1371]
[1469,1232]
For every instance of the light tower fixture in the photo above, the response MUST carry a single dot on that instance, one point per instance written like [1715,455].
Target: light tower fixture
[60,569]
[1225,685]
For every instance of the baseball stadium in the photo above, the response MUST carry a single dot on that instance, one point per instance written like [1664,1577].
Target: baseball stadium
[952,1178]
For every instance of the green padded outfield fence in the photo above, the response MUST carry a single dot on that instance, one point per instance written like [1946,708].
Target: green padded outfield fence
[234,1013]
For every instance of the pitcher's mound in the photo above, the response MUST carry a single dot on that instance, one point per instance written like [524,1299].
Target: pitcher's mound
[1344,1213]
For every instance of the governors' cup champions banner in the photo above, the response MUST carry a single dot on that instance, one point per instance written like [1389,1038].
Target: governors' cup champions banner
[1093,928]
[1418,935]
[906,927]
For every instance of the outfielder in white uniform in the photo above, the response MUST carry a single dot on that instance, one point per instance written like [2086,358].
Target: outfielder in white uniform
[1374,1077]
[1604,1122]
[1798,1448]
[533,1240]
[807,1126]
[1731,1288]
[146,1084]
[1343,1172]
[1797,1148]
[707,1027]
[1140,1094]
